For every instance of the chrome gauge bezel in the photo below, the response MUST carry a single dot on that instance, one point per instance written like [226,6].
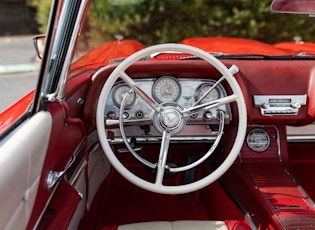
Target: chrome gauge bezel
[258,140]
[197,95]
[163,82]
[117,99]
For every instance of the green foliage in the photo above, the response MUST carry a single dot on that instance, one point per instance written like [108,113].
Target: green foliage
[196,18]
[145,20]
[42,15]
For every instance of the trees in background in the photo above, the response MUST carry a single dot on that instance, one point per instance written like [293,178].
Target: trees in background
[42,12]
[17,18]
[133,19]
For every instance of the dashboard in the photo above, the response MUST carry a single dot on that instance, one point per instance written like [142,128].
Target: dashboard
[138,116]
[269,88]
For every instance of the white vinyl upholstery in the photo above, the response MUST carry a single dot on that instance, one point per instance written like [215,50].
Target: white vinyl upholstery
[21,161]
[176,225]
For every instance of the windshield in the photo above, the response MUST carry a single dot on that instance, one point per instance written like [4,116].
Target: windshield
[202,23]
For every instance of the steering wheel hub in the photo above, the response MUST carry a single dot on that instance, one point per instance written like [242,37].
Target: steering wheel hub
[169,119]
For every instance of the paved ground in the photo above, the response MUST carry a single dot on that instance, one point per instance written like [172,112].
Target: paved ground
[17,54]
[18,68]
[13,87]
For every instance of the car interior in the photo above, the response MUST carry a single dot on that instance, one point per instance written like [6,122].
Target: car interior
[268,186]
[170,136]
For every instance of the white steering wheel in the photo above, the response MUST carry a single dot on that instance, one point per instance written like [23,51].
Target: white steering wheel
[168,128]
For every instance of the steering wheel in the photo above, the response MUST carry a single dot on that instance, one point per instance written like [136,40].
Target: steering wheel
[170,120]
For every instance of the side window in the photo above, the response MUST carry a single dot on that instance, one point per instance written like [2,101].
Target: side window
[19,66]
[18,62]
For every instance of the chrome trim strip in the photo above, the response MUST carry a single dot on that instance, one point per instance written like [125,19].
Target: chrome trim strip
[80,169]
[279,146]
[173,139]
[301,138]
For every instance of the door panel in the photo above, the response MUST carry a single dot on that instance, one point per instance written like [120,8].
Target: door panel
[21,160]
[65,142]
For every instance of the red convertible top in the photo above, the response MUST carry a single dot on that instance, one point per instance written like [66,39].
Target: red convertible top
[120,49]
[233,45]
[227,45]
[296,47]
[102,54]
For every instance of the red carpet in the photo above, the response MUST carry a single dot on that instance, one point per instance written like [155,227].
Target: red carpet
[126,203]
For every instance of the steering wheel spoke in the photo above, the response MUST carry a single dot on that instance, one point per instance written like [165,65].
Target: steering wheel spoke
[209,105]
[166,137]
[150,101]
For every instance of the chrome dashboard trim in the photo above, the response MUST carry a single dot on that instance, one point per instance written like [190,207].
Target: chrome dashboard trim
[301,138]
[156,139]
[199,126]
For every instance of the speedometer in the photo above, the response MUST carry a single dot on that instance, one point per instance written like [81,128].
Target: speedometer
[166,89]
[207,92]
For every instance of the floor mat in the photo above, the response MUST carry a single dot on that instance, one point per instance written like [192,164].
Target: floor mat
[126,203]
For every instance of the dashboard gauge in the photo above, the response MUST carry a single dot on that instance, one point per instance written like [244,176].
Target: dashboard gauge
[166,89]
[203,89]
[118,95]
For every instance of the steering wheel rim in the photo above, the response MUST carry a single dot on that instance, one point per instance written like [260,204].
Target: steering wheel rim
[158,187]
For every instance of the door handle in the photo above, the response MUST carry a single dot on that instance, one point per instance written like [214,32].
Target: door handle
[55,176]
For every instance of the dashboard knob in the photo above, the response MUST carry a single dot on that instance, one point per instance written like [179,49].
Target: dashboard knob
[265,105]
[207,115]
[125,115]
[296,105]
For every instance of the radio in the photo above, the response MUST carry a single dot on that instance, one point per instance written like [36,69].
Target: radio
[273,105]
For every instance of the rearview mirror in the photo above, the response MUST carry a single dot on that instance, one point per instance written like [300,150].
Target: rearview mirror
[39,44]
[294,6]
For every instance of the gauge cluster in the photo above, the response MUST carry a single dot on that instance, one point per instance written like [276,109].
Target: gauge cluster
[166,89]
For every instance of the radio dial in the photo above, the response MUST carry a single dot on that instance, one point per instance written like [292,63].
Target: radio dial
[296,105]
[265,105]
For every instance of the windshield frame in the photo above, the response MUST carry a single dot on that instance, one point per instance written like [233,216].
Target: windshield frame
[66,35]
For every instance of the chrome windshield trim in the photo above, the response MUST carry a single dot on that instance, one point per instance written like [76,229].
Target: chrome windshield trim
[75,35]
[67,33]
